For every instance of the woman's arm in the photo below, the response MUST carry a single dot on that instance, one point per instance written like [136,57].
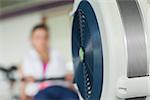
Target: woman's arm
[22,91]
[22,86]
[23,82]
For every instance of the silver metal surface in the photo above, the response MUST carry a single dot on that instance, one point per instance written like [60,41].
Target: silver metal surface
[135,37]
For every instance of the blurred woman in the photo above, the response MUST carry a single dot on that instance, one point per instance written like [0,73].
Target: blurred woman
[44,62]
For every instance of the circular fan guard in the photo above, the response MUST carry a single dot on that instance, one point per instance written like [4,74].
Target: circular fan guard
[87,52]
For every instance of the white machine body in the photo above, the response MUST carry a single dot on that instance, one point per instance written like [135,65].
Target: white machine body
[116,85]
[134,87]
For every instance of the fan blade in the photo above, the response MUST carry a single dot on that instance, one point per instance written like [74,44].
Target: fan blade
[89,56]
[79,79]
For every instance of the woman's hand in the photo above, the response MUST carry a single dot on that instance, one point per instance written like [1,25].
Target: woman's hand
[30,79]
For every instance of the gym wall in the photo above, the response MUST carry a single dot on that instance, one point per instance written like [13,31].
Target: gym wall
[14,34]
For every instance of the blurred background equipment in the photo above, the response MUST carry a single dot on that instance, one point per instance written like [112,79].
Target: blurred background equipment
[110,49]
[10,77]
[9,72]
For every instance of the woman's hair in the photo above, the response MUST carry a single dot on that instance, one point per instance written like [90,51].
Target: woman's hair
[39,26]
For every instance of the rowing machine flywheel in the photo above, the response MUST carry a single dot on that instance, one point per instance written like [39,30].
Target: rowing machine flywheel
[87,52]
